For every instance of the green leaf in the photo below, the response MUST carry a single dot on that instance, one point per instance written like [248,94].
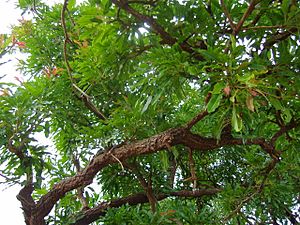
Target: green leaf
[233,41]
[245,78]
[236,120]
[275,103]
[214,103]
[71,4]
[285,6]
[286,115]
[164,159]
[149,99]
[218,88]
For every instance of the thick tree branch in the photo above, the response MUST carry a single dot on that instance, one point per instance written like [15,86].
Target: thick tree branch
[28,204]
[150,145]
[93,214]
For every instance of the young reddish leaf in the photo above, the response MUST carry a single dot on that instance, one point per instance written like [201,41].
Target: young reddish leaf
[227,90]
[253,93]
[21,44]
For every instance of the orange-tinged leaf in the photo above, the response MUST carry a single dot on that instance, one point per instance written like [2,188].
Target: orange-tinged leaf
[85,44]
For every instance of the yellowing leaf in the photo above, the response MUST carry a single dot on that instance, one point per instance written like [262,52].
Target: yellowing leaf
[249,103]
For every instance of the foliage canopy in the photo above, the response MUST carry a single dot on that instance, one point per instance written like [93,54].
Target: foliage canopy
[160,111]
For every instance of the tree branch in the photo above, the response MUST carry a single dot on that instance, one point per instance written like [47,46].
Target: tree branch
[146,185]
[196,119]
[277,38]
[85,98]
[28,204]
[227,14]
[80,190]
[267,171]
[245,16]
[93,214]
[165,140]
[158,29]
[284,129]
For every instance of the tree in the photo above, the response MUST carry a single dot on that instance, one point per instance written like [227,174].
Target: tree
[161,112]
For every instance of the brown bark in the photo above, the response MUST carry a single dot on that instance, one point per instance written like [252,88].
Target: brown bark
[93,214]
[150,145]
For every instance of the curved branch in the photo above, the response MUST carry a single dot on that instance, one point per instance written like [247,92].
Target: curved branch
[162,141]
[93,214]
[85,98]
[227,14]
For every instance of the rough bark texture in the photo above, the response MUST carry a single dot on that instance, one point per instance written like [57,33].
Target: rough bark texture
[150,145]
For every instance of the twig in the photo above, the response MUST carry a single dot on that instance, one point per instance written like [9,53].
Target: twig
[80,190]
[80,90]
[278,37]
[245,16]
[117,161]
[264,27]
[172,169]
[226,12]
[146,185]
[192,168]
[268,170]
[10,179]
[67,39]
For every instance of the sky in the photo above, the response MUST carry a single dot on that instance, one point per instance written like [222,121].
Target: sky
[10,211]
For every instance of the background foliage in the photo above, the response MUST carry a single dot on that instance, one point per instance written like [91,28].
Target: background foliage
[103,75]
